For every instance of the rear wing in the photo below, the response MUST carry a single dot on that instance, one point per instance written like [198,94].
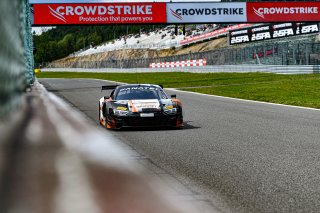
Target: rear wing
[109,87]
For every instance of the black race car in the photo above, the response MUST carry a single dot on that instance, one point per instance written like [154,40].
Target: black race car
[139,105]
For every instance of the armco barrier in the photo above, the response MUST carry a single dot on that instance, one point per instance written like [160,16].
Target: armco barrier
[187,63]
[302,69]
[52,159]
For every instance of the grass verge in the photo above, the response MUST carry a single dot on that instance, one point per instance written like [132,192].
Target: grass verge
[298,90]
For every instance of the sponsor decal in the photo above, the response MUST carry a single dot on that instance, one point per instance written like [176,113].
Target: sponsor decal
[206,12]
[55,14]
[139,105]
[138,88]
[283,11]
[122,108]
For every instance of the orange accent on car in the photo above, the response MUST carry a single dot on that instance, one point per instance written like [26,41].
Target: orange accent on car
[177,101]
[111,124]
[134,108]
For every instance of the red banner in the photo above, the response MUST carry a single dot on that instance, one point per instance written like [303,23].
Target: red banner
[213,34]
[283,11]
[102,13]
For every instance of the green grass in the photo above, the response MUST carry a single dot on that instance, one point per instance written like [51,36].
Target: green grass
[299,90]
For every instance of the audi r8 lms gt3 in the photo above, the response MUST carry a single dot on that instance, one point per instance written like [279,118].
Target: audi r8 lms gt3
[139,105]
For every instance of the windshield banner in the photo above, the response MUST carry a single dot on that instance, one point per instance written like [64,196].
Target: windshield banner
[113,13]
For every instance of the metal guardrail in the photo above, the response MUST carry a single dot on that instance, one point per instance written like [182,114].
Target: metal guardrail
[51,160]
[59,162]
[279,69]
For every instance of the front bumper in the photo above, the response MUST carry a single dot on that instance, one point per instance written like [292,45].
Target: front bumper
[160,119]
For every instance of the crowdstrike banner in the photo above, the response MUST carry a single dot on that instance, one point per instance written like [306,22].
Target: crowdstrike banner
[117,13]
[206,12]
[69,1]
[81,12]
[283,11]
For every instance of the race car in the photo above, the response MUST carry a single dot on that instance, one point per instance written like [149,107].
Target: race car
[139,105]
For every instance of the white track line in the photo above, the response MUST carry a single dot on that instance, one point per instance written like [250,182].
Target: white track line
[244,100]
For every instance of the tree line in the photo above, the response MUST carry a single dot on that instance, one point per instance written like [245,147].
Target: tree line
[61,41]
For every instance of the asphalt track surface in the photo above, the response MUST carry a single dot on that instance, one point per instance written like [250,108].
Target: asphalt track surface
[254,157]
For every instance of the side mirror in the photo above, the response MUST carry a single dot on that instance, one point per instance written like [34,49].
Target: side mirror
[106,97]
[174,96]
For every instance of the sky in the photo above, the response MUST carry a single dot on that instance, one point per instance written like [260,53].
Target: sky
[39,30]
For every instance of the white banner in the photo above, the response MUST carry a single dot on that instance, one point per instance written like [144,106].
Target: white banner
[90,1]
[203,12]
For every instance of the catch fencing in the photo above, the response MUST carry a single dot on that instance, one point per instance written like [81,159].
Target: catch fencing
[303,50]
[16,53]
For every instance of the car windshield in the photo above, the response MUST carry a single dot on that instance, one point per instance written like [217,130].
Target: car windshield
[133,93]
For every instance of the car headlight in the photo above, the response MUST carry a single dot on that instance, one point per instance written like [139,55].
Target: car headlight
[120,111]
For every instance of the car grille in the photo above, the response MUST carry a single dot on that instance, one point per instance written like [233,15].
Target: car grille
[151,110]
[152,122]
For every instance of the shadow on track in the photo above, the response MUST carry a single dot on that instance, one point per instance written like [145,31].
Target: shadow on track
[186,126]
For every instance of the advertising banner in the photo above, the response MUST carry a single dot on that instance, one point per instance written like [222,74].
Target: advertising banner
[213,34]
[102,13]
[71,1]
[307,28]
[206,12]
[283,11]
[240,36]
[271,31]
